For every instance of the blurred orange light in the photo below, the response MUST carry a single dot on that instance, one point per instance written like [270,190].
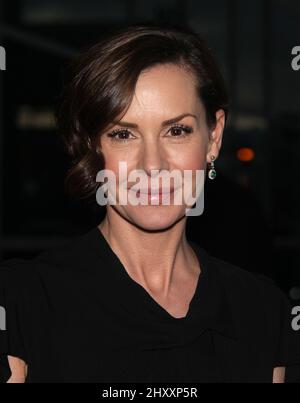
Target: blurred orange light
[245,154]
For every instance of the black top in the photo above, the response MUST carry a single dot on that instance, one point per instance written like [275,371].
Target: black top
[74,314]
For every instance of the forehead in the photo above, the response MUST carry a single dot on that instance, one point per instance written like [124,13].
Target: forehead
[164,91]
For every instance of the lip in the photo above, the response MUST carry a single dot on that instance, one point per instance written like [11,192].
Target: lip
[156,191]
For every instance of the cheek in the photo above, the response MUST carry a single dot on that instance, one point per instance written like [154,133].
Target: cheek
[194,159]
[192,154]
[112,158]
[112,163]
[190,162]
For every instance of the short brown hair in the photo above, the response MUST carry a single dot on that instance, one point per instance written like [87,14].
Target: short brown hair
[102,84]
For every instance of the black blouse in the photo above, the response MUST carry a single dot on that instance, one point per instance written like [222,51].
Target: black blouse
[74,314]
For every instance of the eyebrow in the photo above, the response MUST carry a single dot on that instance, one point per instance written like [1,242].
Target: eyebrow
[164,123]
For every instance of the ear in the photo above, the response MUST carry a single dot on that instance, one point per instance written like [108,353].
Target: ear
[215,136]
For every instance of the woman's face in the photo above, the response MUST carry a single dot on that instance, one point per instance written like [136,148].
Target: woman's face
[162,93]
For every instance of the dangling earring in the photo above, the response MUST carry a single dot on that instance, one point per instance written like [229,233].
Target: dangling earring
[212,172]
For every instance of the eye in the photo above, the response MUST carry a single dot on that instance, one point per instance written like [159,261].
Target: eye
[119,135]
[180,130]
[123,135]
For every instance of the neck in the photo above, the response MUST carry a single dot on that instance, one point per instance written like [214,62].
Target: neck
[155,259]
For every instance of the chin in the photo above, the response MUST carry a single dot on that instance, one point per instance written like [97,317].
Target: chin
[154,218]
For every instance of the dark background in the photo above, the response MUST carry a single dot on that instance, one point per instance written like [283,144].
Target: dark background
[251,216]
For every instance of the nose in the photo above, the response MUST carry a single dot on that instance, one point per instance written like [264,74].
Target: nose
[153,157]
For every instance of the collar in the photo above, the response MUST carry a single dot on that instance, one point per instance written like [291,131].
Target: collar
[210,308]
[212,305]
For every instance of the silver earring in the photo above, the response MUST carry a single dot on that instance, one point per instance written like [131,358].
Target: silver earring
[212,172]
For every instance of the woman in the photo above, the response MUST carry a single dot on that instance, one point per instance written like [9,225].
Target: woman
[133,300]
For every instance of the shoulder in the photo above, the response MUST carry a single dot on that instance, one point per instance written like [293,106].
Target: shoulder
[28,285]
[14,274]
[256,300]
[71,254]
[248,284]
[262,313]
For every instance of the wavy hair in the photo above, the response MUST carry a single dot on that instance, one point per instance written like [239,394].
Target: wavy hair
[102,83]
